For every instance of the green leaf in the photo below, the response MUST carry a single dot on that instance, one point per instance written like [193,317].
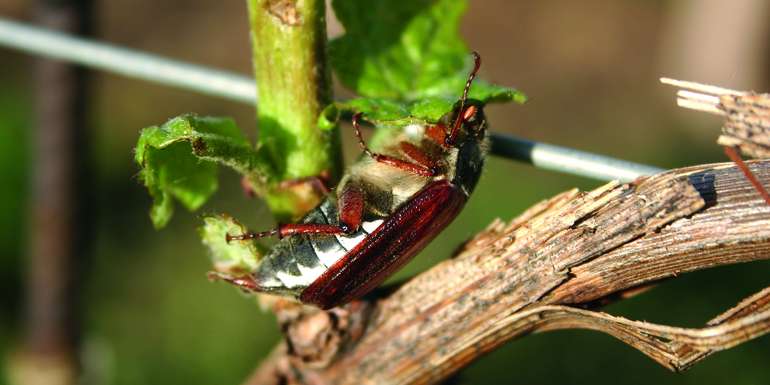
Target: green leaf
[427,109]
[234,257]
[407,51]
[407,59]
[178,161]
[398,49]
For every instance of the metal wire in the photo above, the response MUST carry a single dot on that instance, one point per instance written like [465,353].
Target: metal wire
[568,160]
[131,63]
[141,65]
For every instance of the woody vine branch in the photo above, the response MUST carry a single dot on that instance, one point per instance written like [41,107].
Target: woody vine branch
[543,271]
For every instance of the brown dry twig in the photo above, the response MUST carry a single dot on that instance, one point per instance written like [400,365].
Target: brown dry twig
[542,271]
[747,123]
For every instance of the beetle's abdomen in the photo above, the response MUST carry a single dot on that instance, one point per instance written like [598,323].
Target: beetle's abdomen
[400,237]
[295,262]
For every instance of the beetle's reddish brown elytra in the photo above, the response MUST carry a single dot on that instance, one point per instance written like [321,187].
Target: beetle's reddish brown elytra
[386,208]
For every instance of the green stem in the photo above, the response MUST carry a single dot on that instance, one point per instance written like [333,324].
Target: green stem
[293,80]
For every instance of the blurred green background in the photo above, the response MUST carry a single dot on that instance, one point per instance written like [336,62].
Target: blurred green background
[590,69]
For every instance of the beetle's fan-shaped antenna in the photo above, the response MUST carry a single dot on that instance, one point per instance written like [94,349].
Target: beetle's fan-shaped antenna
[459,119]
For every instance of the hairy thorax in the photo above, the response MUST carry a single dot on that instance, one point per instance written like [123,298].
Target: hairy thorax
[387,187]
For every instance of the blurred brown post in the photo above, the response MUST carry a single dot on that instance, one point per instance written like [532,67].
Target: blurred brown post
[56,234]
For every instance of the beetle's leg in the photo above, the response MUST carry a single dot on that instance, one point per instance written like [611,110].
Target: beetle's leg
[289,229]
[389,160]
[245,282]
[437,133]
[404,165]
[351,208]
[418,155]
[736,158]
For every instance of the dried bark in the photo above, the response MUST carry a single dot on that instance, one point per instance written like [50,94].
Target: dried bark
[541,272]
[748,123]
[747,114]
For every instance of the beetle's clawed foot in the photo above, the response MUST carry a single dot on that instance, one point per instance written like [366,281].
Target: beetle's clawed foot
[251,235]
[242,237]
[245,282]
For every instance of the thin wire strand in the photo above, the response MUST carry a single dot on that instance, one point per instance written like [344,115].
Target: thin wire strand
[154,68]
[131,63]
[568,160]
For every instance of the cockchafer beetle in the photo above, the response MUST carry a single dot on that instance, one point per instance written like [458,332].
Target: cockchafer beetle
[386,208]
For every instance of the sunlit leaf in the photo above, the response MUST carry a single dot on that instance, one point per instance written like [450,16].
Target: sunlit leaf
[179,160]
[406,50]
[233,257]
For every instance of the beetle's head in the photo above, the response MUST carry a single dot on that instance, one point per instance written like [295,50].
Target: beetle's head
[471,122]
[466,151]
[467,117]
